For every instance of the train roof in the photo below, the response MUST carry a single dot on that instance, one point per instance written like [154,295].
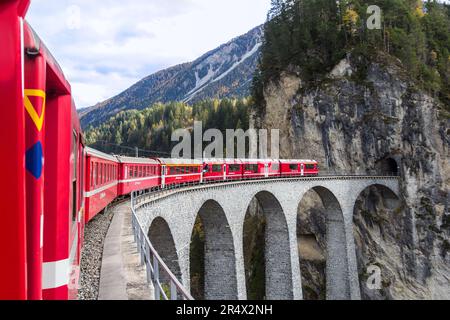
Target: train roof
[171,162]
[133,160]
[297,161]
[215,160]
[257,160]
[55,77]
[101,155]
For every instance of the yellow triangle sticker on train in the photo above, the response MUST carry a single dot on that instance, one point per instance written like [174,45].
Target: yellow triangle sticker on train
[37,119]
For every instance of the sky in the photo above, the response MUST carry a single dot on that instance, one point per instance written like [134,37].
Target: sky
[106,46]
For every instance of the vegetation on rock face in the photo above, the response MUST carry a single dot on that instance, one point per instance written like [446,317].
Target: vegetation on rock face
[313,35]
[152,128]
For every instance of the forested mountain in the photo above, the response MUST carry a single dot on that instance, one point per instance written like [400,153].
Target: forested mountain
[151,128]
[225,72]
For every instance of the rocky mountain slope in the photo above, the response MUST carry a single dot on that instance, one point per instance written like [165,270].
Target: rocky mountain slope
[221,73]
[373,121]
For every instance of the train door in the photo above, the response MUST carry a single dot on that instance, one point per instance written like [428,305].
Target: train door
[266,170]
[163,177]
[302,169]
[224,172]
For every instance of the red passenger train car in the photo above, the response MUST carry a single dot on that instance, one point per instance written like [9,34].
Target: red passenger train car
[179,171]
[138,174]
[216,170]
[40,237]
[299,168]
[102,182]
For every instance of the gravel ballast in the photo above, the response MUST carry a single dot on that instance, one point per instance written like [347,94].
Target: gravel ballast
[92,252]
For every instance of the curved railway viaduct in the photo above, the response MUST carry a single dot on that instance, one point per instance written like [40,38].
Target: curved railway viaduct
[170,217]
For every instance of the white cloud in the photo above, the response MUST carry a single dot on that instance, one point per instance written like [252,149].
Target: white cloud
[111,44]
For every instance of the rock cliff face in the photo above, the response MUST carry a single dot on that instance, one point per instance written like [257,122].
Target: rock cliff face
[368,117]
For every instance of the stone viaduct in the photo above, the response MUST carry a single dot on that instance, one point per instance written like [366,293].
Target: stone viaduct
[170,218]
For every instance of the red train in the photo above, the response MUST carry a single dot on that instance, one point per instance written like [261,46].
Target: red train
[45,207]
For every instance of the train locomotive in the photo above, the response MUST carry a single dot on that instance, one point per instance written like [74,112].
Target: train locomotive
[56,184]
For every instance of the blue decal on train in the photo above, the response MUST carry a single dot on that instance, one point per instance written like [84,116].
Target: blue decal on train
[34,160]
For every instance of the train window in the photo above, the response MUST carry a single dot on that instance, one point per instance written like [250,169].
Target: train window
[95,173]
[74,175]
[82,176]
[91,183]
[217,168]
[251,167]
[275,167]
[234,168]
[310,166]
[293,167]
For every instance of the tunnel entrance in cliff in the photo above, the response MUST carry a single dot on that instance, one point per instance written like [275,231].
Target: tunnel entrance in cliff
[387,166]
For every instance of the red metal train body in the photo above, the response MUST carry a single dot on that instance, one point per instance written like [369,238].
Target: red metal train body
[46,207]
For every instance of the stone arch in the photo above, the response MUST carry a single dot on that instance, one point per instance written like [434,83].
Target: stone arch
[277,252]
[161,238]
[378,223]
[220,280]
[336,269]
